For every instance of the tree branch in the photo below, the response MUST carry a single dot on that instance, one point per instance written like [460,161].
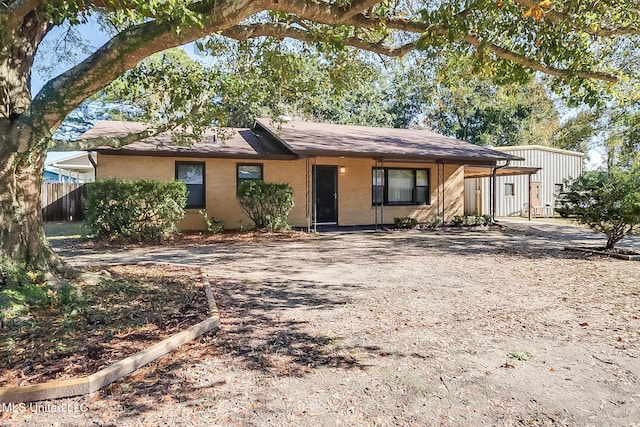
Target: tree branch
[357,6]
[559,17]
[279,30]
[114,141]
[18,10]
[419,27]
[521,60]
[64,93]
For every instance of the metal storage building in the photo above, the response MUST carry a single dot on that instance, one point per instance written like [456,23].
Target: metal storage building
[514,193]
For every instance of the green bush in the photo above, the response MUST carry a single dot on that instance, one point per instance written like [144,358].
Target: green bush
[434,222]
[608,202]
[267,204]
[405,222]
[471,220]
[134,210]
[214,226]
[458,221]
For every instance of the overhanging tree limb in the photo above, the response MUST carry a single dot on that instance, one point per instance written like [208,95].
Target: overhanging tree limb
[521,60]
[357,6]
[559,17]
[110,141]
[17,10]
[64,93]
[280,30]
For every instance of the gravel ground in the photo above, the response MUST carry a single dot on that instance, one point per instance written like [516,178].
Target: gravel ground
[402,328]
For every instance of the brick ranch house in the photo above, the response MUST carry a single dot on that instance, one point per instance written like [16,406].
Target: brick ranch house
[342,175]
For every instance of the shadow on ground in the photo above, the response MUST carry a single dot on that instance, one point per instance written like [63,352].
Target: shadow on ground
[256,333]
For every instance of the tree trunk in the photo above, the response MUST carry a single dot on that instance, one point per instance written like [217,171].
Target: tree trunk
[23,145]
[22,238]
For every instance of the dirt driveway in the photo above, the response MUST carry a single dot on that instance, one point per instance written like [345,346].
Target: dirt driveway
[411,328]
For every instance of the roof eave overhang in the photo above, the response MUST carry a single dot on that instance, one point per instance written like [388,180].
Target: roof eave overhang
[207,155]
[482,171]
[389,157]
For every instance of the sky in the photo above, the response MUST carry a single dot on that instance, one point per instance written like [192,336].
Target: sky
[92,35]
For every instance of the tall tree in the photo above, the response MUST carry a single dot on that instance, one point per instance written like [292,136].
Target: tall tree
[463,102]
[575,41]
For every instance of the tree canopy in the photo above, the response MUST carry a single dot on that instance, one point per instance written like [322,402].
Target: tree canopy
[588,49]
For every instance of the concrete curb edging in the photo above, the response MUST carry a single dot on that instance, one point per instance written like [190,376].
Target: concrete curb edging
[85,385]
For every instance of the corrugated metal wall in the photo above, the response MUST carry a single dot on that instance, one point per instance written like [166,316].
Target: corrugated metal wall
[557,167]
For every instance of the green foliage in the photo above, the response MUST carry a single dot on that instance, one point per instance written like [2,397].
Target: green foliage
[576,132]
[623,137]
[434,222]
[21,290]
[558,35]
[215,226]
[405,222]
[254,79]
[170,90]
[135,210]
[267,204]
[519,355]
[608,202]
[471,220]
[54,322]
[475,109]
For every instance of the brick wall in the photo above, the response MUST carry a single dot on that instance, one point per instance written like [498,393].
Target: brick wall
[354,187]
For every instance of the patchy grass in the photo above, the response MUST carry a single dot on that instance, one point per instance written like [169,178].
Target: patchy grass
[64,233]
[519,355]
[86,325]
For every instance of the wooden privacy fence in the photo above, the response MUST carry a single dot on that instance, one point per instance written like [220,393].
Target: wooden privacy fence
[62,201]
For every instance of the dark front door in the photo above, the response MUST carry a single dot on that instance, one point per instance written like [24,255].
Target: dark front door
[325,180]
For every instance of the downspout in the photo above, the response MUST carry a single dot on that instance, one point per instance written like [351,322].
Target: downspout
[494,198]
[308,196]
[375,205]
[94,165]
[383,193]
[443,192]
[314,189]
[438,187]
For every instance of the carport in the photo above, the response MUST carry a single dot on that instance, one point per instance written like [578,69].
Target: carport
[491,172]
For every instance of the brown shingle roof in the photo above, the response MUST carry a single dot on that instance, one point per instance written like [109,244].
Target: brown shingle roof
[302,139]
[324,139]
[236,143]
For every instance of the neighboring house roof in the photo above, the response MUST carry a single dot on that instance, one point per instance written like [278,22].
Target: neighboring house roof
[303,139]
[325,139]
[68,165]
[74,161]
[538,147]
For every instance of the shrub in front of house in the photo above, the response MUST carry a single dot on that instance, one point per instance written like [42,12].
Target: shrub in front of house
[267,204]
[134,210]
[471,220]
[405,222]
[434,222]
